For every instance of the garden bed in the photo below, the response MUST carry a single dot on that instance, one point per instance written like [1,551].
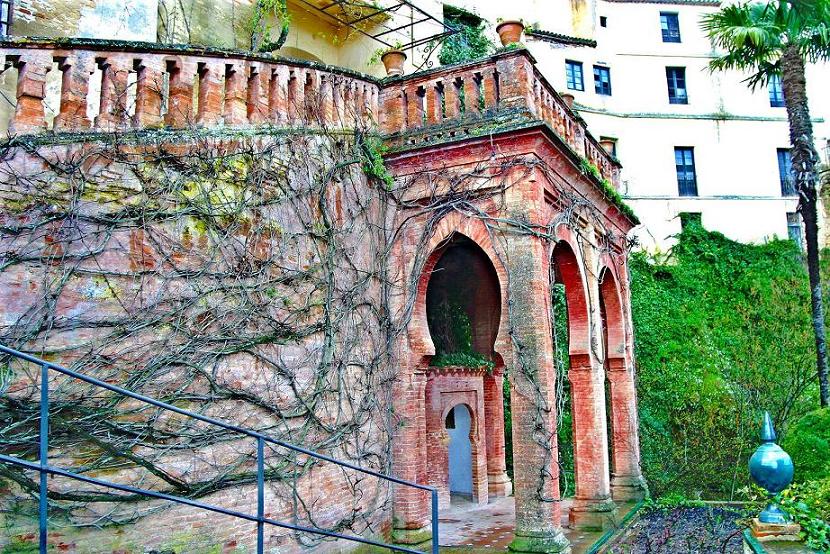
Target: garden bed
[690,530]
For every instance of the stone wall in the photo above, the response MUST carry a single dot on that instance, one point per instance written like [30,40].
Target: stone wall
[239,276]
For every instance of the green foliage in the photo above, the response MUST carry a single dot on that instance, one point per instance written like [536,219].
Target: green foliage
[814,530]
[469,43]
[464,359]
[260,29]
[671,501]
[20,546]
[373,149]
[815,494]
[453,330]
[608,189]
[722,332]
[808,442]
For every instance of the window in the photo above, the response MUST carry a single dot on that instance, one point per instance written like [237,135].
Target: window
[684,161]
[785,172]
[794,228]
[602,80]
[776,92]
[603,21]
[670,26]
[573,73]
[5,16]
[676,79]
[690,218]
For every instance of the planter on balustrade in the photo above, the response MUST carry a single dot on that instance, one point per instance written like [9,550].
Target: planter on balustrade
[568,98]
[393,61]
[510,32]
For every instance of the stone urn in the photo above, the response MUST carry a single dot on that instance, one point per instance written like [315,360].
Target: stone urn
[510,32]
[772,469]
[393,61]
[568,98]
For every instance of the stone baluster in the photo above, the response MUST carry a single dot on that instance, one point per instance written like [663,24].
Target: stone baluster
[296,95]
[278,95]
[235,109]
[76,72]
[182,73]
[149,93]
[472,94]
[29,114]
[326,98]
[438,94]
[452,99]
[211,76]
[490,89]
[257,100]
[115,70]
[416,100]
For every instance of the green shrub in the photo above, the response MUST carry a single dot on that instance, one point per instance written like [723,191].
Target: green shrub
[722,333]
[808,442]
[469,43]
[815,494]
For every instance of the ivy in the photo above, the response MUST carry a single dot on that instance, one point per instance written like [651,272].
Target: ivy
[469,43]
[608,189]
[722,333]
[260,29]
[373,150]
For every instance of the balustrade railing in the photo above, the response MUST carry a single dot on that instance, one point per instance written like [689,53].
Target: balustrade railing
[418,107]
[110,86]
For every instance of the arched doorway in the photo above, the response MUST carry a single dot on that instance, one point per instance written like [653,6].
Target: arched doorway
[459,427]
[463,396]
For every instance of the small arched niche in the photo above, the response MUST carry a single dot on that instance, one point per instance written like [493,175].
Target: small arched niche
[463,301]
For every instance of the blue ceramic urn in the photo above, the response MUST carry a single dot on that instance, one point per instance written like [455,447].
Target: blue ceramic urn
[772,469]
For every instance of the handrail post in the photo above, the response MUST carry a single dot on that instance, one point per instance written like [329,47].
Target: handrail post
[434,521]
[260,495]
[44,454]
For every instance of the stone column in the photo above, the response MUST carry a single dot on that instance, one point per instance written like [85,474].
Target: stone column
[180,98]
[211,76]
[498,483]
[235,110]
[592,508]
[627,483]
[149,93]
[114,83]
[29,114]
[533,400]
[77,70]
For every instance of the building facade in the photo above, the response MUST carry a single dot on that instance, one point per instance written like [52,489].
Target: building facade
[353,264]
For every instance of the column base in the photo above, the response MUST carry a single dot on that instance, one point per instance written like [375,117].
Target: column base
[499,485]
[552,541]
[593,515]
[627,488]
[419,537]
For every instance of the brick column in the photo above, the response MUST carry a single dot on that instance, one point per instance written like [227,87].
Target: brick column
[114,82]
[77,70]
[411,506]
[498,483]
[211,76]
[627,483]
[148,94]
[180,98]
[29,115]
[235,110]
[592,507]
[533,401]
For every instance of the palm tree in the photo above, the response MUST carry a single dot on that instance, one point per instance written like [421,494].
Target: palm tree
[776,39]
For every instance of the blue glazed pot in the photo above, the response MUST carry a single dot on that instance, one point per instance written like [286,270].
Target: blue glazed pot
[772,469]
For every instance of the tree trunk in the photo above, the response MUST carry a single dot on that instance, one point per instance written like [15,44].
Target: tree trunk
[805,159]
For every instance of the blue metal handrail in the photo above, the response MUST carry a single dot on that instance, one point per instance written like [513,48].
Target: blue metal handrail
[44,468]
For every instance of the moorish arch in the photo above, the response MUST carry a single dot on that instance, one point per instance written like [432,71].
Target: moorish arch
[592,506]
[462,275]
[627,483]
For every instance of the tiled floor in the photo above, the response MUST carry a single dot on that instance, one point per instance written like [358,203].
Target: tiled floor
[490,527]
